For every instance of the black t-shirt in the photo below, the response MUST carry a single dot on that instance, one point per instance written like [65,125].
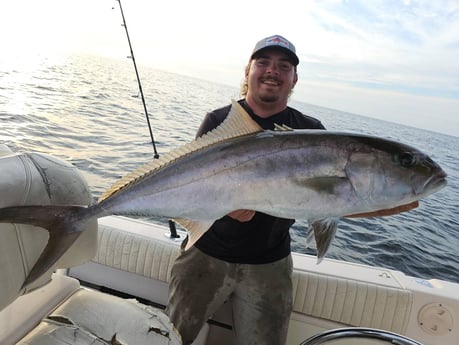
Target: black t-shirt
[265,238]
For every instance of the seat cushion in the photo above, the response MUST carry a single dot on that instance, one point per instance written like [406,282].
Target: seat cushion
[27,311]
[92,317]
[37,179]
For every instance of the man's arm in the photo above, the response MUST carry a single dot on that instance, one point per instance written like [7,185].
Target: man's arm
[386,212]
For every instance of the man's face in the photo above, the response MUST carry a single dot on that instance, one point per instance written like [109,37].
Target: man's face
[271,77]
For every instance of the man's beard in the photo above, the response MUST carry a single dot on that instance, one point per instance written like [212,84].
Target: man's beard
[269,98]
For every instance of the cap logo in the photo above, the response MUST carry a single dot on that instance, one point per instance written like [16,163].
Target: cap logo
[277,41]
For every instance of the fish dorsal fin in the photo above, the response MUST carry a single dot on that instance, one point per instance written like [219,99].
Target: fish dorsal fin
[237,123]
[194,228]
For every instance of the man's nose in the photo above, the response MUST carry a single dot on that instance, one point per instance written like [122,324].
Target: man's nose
[272,68]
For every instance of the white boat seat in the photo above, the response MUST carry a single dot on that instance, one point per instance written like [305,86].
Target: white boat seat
[37,179]
[350,302]
[131,257]
[92,317]
[55,309]
[63,312]
[21,316]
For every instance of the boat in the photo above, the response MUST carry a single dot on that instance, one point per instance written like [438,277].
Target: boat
[111,286]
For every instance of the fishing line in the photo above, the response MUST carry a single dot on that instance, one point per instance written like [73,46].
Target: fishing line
[156,155]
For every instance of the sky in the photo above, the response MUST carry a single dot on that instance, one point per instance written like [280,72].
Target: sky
[393,60]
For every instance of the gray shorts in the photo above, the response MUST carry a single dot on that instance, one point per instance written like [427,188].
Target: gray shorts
[261,297]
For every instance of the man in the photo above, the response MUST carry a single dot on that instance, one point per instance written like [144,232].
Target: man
[245,256]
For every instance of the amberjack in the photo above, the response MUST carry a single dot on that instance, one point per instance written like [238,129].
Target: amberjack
[316,175]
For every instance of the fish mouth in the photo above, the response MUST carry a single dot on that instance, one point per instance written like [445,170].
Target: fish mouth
[435,182]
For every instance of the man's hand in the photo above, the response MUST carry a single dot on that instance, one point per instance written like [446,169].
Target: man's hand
[242,215]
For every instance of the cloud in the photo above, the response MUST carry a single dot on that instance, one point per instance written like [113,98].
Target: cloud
[410,48]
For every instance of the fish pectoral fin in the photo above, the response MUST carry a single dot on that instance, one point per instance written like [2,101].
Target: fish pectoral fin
[324,231]
[194,228]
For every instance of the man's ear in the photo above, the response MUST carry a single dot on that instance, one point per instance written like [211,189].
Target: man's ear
[295,79]
[247,69]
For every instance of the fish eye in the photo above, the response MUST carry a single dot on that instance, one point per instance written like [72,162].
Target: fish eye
[406,159]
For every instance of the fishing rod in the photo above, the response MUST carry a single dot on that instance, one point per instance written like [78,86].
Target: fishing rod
[173,231]
[156,155]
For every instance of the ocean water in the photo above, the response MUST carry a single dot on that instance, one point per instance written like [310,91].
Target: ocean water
[87,110]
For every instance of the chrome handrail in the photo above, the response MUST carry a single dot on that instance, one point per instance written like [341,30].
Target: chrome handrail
[359,332]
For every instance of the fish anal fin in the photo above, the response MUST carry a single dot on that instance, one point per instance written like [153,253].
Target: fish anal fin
[324,232]
[194,228]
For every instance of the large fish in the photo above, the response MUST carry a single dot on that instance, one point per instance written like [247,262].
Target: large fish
[301,174]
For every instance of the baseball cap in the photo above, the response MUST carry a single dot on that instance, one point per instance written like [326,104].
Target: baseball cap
[279,42]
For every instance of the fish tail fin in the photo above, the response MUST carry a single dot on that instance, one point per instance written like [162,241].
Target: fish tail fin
[63,224]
